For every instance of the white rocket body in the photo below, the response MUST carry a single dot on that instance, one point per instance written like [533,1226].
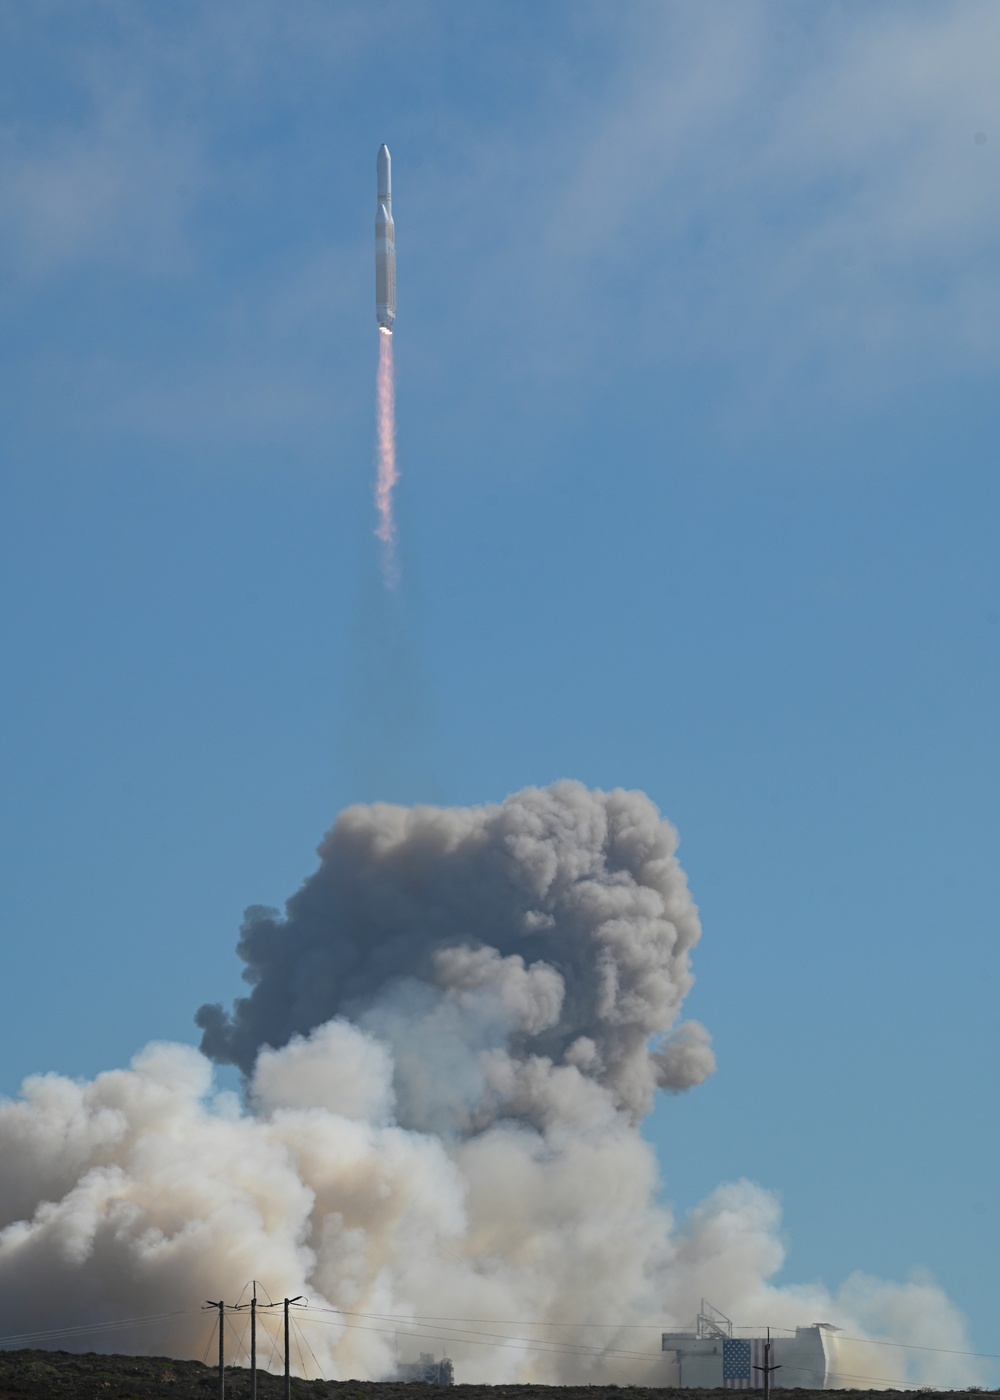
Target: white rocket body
[385,245]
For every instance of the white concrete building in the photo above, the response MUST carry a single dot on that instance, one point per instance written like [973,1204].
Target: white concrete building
[710,1357]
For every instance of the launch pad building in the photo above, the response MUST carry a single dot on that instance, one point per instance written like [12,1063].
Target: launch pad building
[710,1357]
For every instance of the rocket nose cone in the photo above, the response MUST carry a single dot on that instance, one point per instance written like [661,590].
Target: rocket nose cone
[383,166]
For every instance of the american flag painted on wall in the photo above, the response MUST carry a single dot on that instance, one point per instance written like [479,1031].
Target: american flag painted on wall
[739,1357]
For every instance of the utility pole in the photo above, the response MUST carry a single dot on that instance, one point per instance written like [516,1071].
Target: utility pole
[767,1368]
[222,1346]
[253,1343]
[288,1360]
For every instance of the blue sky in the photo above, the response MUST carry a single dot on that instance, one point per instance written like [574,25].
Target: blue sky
[697,344]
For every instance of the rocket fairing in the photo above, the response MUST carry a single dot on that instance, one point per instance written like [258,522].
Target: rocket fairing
[385,245]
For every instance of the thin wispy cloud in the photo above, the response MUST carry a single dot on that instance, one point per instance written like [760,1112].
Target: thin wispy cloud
[803,201]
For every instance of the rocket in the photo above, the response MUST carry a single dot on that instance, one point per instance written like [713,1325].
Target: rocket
[385,245]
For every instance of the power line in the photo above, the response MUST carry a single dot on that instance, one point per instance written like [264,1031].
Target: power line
[319,1369]
[298,1348]
[208,1344]
[242,1339]
[851,1376]
[633,1326]
[912,1346]
[580,1349]
[87,1329]
[493,1321]
[464,1334]
[497,1339]
[274,1344]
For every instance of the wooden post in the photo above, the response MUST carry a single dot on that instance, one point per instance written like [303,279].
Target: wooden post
[767,1368]
[222,1346]
[253,1343]
[288,1365]
[288,1349]
[222,1350]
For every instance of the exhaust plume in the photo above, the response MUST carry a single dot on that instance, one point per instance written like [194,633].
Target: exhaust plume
[552,931]
[450,1041]
[385,457]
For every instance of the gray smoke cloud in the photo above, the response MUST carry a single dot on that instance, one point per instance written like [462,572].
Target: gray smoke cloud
[555,928]
[448,1046]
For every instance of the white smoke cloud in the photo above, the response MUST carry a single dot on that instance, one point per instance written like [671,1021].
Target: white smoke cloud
[450,1042]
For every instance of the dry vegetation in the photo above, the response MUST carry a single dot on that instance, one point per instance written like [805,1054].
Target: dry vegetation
[48,1375]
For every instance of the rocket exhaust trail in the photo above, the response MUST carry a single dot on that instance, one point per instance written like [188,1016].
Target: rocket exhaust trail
[385,313]
[385,457]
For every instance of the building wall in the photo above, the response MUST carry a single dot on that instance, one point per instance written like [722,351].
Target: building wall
[805,1359]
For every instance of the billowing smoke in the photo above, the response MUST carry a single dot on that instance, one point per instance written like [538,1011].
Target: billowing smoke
[516,958]
[450,1040]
